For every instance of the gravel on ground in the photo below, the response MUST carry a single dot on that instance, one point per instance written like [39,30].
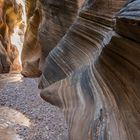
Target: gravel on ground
[24,115]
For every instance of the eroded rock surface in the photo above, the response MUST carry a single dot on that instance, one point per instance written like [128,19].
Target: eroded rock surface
[88,55]
[10,17]
[93,73]
[83,42]
[48,24]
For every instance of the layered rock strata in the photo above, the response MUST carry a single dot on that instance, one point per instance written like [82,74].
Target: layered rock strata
[49,23]
[93,74]
[10,18]
[83,42]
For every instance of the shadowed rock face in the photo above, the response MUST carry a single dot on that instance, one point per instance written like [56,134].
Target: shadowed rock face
[10,17]
[57,16]
[91,31]
[93,74]
[30,6]
[31,48]
[89,57]
[132,20]
[46,27]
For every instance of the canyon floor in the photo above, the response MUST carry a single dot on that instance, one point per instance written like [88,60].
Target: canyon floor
[24,115]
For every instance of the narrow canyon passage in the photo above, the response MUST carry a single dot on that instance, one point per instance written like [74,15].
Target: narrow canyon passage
[24,115]
[69,69]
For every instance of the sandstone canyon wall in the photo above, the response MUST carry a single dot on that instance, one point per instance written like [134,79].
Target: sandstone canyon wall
[93,73]
[48,24]
[31,48]
[11,12]
[88,55]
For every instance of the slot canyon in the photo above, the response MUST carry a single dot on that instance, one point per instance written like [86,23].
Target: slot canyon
[69,69]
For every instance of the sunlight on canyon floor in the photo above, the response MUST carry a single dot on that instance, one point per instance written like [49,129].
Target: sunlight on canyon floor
[8,119]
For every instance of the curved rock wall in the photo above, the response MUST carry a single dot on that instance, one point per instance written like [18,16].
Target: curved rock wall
[30,6]
[44,31]
[89,56]
[84,41]
[31,49]
[10,17]
[93,74]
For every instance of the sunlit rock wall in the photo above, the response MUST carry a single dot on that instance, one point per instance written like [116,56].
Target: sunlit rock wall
[11,31]
[93,73]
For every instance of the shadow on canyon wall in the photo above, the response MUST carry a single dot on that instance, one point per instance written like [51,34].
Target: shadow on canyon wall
[88,56]
[100,58]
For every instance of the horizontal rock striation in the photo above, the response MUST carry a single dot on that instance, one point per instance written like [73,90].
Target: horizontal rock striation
[93,74]
[48,24]
[83,42]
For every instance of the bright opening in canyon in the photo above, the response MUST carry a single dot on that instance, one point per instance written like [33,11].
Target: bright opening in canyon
[17,37]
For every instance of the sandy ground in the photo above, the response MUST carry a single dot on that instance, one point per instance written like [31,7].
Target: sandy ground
[24,115]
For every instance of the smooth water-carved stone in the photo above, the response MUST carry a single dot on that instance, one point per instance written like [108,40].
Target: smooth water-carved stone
[54,19]
[93,74]
[31,49]
[11,13]
[83,42]
[128,21]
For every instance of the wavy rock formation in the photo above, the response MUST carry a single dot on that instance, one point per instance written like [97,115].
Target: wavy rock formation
[46,27]
[88,55]
[31,48]
[84,41]
[30,6]
[10,18]
[93,73]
